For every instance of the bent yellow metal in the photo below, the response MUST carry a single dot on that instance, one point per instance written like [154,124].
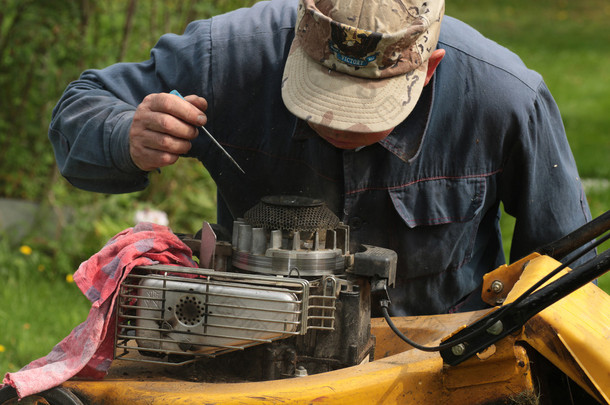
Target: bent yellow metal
[400,376]
[572,334]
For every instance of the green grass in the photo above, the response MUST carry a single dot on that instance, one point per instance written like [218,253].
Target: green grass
[38,306]
[565,41]
[36,311]
[599,201]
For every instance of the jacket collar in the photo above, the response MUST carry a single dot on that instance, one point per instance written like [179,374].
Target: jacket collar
[406,140]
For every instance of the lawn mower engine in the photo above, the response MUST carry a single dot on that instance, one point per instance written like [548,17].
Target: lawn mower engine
[281,297]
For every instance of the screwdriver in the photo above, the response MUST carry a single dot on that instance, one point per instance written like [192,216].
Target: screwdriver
[176,93]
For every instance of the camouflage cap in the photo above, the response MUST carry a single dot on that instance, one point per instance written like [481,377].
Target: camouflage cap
[360,65]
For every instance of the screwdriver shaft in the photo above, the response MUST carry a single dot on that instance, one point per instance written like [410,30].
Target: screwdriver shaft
[176,93]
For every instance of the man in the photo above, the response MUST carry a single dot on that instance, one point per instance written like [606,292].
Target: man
[412,131]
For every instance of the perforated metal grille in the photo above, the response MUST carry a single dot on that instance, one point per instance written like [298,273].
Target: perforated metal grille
[190,310]
[203,313]
[291,213]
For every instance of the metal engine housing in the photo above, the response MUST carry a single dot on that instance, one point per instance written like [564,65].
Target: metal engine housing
[284,296]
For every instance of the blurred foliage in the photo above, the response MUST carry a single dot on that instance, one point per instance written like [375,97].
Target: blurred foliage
[46,44]
[32,295]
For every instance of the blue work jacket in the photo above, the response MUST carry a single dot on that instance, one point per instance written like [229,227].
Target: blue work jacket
[485,130]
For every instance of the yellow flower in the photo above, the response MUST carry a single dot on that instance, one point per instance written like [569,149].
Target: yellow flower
[26,250]
[562,15]
[69,278]
[2,349]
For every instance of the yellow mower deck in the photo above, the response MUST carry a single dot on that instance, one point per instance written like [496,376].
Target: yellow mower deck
[399,376]
[573,334]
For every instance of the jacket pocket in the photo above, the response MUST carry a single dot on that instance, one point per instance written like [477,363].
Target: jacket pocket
[442,218]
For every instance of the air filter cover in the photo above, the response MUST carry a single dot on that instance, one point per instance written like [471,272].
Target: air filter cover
[291,213]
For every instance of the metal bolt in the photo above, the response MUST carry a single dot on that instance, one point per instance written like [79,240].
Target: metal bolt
[458,349]
[497,286]
[300,372]
[496,328]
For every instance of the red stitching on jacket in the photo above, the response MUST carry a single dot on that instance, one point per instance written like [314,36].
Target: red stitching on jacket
[473,176]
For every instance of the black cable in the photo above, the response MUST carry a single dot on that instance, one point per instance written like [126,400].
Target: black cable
[494,316]
[442,346]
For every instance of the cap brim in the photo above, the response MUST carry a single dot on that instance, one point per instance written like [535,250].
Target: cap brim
[323,96]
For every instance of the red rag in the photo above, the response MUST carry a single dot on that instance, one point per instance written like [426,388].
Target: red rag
[88,350]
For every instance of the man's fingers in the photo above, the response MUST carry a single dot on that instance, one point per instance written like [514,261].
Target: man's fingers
[150,150]
[163,122]
[168,124]
[163,142]
[199,102]
[151,159]
[190,110]
[163,127]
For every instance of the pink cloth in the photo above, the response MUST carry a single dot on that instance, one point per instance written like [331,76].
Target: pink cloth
[89,349]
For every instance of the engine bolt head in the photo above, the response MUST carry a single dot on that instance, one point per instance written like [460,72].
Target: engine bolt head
[300,372]
[458,349]
[497,286]
[496,328]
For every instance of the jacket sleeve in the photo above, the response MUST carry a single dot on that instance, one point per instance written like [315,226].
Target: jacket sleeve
[90,123]
[541,187]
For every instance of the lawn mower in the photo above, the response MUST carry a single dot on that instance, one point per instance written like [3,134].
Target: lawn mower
[279,311]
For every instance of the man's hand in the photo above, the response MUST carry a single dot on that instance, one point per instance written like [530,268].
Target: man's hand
[163,127]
